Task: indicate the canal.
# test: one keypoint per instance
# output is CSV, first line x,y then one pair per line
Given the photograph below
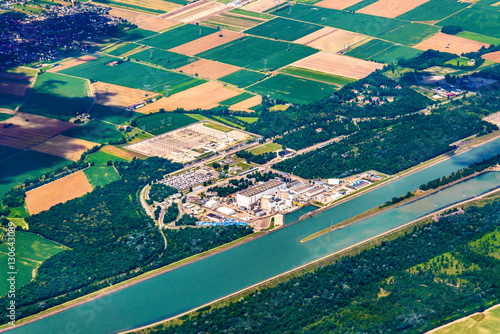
x,y
212,278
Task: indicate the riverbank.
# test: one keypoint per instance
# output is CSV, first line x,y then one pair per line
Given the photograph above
x,y
378,210
326,260
125,284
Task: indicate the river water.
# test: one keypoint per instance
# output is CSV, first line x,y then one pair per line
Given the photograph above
x,y
212,278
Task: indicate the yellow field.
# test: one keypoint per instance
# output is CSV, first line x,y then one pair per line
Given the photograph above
x,y
331,39
493,56
337,4
391,8
113,150
72,63
117,96
487,322
65,147
262,5
205,96
143,21
246,104
450,43
339,65
207,42
209,69
199,13
59,191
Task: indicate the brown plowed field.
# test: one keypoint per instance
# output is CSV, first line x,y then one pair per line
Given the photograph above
x,y
113,150
19,133
205,96
65,147
246,104
209,69
59,191
336,4
206,43
494,56
117,96
331,39
15,84
391,8
339,65
262,5
72,63
450,43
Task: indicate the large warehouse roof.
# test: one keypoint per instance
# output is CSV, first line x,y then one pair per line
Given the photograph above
x,y
254,190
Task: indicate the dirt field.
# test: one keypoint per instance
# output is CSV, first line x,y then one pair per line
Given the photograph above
x,y
205,96
117,96
331,39
144,21
24,134
15,84
199,13
494,56
206,43
209,69
262,5
72,63
7,111
65,147
457,45
337,4
339,65
59,191
113,150
246,104
391,8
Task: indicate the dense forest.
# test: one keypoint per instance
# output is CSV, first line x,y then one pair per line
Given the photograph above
x,y
389,288
328,110
232,187
110,237
160,192
425,137
256,158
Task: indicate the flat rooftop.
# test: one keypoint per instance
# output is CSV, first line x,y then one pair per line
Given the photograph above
x,y
254,190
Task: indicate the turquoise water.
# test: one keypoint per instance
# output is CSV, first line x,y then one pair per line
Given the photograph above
x,y
201,282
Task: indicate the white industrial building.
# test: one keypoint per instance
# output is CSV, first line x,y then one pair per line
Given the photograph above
x,y
211,204
251,195
226,211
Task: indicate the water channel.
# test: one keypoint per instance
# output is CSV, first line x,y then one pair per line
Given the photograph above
x,y
201,282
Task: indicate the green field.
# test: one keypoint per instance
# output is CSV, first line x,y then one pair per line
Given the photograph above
x,y
8,101
487,322
135,34
178,36
58,96
159,123
137,75
315,75
240,11
411,34
112,114
433,10
394,53
7,151
122,49
229,122
3,117
100,176
19,222
217,126
480,38
27,164
359,5
31,251
365,24
461,61
232,21
102,158
284,29
483,20
292,89
95,131
236,99
369,49
242,78
161,57
248,120
251,52
269,147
